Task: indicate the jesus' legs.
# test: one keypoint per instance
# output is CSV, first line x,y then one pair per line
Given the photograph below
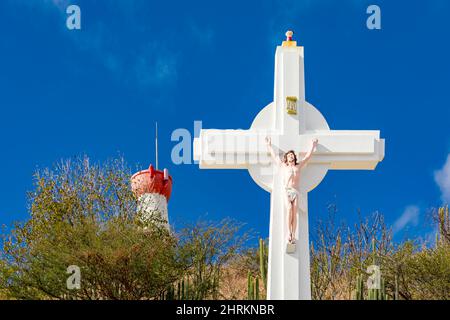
x,y
293,226
289,205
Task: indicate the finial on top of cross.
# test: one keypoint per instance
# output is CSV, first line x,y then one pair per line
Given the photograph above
x,y
289,35
289,42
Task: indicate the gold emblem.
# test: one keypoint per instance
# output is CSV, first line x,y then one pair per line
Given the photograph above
x,y
291,105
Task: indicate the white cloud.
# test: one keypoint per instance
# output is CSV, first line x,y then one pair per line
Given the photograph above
x,y
442,178
409,216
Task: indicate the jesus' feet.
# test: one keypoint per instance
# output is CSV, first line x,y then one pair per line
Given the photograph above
x,y
290,238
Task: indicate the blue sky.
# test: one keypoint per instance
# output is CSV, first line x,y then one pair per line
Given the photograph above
x,y
100,89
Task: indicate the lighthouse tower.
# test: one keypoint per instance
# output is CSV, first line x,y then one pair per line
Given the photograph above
x,y
152,188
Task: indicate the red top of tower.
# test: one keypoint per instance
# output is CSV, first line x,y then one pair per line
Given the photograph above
x,y
151,181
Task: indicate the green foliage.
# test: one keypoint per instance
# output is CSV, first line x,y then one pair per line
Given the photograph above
x,y
421,271
83,214
210,247
426,274
409,270
340,254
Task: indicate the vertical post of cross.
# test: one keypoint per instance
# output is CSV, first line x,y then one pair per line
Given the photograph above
x,y
288,274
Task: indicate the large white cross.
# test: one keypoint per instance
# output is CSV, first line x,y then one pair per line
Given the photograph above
x,y
292,123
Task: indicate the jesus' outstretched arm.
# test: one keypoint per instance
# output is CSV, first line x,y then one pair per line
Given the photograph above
x,y
309,153
275,158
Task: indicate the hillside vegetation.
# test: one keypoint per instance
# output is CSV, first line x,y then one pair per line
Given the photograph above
x,y
84,215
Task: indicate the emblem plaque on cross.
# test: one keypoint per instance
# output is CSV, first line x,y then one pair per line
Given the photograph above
x,y
291,105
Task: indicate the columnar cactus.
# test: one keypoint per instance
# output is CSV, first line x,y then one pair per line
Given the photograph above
x,y
253,287
187,293
253,283
372,294
444,225
249,286
182,290
263,263
358,293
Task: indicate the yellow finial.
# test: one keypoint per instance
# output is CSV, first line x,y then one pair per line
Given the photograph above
x,y
289,42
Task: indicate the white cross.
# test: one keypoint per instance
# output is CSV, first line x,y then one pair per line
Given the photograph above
x,y
288,272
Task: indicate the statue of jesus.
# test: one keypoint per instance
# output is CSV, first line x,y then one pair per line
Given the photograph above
x,y
290,171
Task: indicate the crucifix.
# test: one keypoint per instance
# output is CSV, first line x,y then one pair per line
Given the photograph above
x,y
290,123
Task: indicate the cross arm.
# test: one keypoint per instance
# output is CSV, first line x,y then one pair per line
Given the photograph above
x,y
237,149
346,149
231,149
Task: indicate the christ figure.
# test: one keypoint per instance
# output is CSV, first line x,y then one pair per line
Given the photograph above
x,y
290,170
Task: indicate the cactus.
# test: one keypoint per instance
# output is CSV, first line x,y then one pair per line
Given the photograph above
x,y
361,287
382,290
263,263
444,225
253,282
358,291
372,294
187,296
182,290
169,293
250,286
256,290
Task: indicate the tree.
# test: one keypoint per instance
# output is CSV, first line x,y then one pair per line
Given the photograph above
x,y
410,270
83,215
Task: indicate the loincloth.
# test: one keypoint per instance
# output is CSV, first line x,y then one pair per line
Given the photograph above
x,y
291,193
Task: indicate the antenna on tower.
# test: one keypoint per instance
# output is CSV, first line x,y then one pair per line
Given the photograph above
x,y
156,144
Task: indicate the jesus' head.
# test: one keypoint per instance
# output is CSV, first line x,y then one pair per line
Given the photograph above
x,y
290,157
